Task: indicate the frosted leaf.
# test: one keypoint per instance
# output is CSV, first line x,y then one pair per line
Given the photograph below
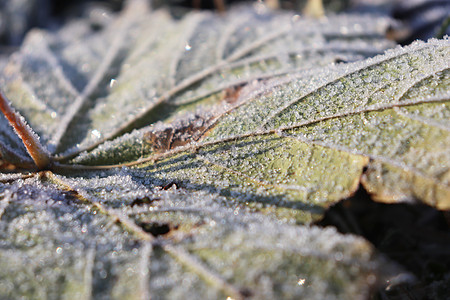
x,y
74,74
47,237
91,255
290,144
191,156
145,54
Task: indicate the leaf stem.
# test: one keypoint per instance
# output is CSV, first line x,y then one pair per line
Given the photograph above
x,y
30,139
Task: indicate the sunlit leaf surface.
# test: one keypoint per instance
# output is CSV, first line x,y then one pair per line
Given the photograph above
x,y
192,155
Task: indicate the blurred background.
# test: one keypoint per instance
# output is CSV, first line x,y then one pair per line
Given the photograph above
x,y
418,19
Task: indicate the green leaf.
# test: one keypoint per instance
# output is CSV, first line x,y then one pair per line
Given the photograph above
x,y
294,142
88,96
190,157
49,236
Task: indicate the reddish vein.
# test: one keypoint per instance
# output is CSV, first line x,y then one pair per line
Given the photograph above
x,y
38,153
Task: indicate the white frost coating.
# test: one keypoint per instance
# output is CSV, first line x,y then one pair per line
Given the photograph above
x,y
114,186
48,226
358,66
239,44
61,239
242,43
224,226
133,11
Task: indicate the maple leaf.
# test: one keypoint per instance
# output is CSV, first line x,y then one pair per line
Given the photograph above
x,y
188,158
